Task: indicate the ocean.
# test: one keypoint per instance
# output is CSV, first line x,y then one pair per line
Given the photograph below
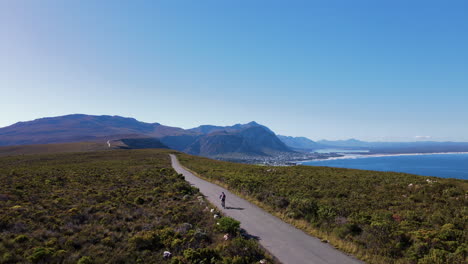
x,y
439,165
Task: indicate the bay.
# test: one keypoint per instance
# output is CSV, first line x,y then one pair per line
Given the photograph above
x,y
439,165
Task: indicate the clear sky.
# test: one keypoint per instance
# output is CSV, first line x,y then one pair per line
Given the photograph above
x,y
371,70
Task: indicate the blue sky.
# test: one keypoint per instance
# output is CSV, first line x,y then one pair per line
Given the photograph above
x,y
372,70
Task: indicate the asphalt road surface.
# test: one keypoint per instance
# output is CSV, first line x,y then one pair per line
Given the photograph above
x,y
287,243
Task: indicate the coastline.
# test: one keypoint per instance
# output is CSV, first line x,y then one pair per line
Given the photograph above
x,y
362,156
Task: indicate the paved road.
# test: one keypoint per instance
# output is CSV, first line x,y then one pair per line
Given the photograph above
x,y
287,243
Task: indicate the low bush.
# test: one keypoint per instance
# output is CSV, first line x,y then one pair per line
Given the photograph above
x,y
146,241
41,254
85,260
202,255
343,231
244,251
228,225
122,206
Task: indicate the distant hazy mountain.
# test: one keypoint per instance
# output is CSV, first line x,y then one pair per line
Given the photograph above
x,y
300,143
398,147
78,127
417,147
353,143
249,139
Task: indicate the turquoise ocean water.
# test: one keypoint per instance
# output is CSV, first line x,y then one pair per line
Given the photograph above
x,y
439,165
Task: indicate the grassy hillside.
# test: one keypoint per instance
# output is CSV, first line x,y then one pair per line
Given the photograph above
x,y
381,217
121,206
53,148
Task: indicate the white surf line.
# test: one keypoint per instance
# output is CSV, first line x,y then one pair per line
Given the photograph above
x,y
361,156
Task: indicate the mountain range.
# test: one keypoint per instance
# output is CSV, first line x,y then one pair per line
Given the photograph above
x,y
251,139
240,141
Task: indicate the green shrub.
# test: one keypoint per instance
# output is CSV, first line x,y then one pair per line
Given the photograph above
x,y
176,243
347,229
139,201
194,190
41,254
436,256
20,239
177,260
85,260
281,202
7,257
202,255
326,213
51,242
303,208
166,236
243,251
183,187
228,225
149,240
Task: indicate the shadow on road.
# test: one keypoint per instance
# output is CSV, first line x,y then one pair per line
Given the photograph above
x,y
247,235
234,208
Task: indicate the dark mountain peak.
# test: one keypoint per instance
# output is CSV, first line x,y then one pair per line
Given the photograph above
x,y
207,129
257,125
255,129
247,140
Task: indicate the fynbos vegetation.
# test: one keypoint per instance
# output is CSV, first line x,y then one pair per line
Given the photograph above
x,y
381,217
109,207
